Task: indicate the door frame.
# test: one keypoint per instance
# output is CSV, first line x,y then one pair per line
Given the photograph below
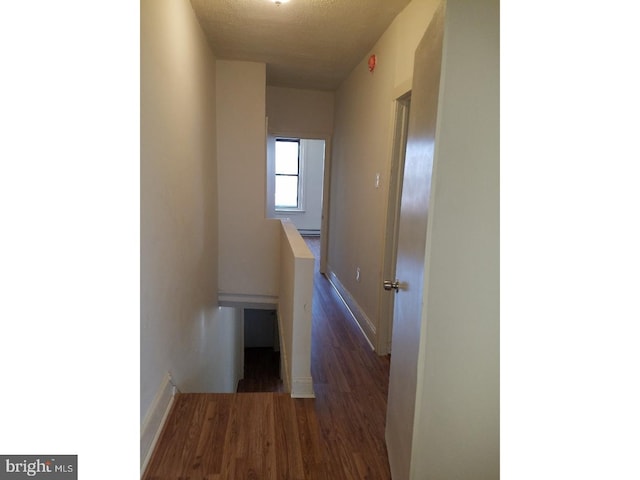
x,y
326,184
396,172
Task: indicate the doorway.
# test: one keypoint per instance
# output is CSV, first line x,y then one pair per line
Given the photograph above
x,y
401,128
308,207
261,352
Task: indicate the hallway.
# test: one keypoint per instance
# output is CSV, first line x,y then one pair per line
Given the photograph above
x,y
338,435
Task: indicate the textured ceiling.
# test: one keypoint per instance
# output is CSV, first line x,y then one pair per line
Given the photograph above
x,y
305,43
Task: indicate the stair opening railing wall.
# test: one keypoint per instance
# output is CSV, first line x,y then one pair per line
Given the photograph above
x,y
294,311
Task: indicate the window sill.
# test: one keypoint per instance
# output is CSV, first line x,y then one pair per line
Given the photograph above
x,y
290,210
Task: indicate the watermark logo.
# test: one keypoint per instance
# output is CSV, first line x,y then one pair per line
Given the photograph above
x,y
49,467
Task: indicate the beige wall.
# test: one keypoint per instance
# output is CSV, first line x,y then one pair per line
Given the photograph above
x,y
292,110
363,127
249,243
180,320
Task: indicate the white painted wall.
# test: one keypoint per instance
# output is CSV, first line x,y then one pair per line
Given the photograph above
x,y
182,329
456,432
294,311
313,155
249,243
224,352
362,148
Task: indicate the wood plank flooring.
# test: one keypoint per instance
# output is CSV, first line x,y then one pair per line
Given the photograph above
x,y
261,371
338,435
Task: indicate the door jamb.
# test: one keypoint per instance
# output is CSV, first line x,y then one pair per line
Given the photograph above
x,y
401,127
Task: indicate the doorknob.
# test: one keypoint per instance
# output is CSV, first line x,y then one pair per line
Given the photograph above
x,y
389,285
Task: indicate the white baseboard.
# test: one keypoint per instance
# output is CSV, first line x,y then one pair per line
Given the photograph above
x,y
154,420
302,388
362,320
309,233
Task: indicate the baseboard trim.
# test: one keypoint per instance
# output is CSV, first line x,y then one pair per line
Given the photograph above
x,y
309,233
302,388
361,319
154,420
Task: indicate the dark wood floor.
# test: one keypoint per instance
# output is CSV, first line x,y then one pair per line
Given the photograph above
x,y
338,435
261,371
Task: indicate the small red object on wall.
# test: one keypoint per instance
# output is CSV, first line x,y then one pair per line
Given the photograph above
x,y
372,63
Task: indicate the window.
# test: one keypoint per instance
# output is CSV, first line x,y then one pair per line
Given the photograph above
x,y
287,168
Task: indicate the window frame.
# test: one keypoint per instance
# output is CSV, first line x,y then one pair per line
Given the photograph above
x,y
301,206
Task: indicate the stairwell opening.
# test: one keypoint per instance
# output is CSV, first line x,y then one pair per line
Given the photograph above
x,y
261,352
